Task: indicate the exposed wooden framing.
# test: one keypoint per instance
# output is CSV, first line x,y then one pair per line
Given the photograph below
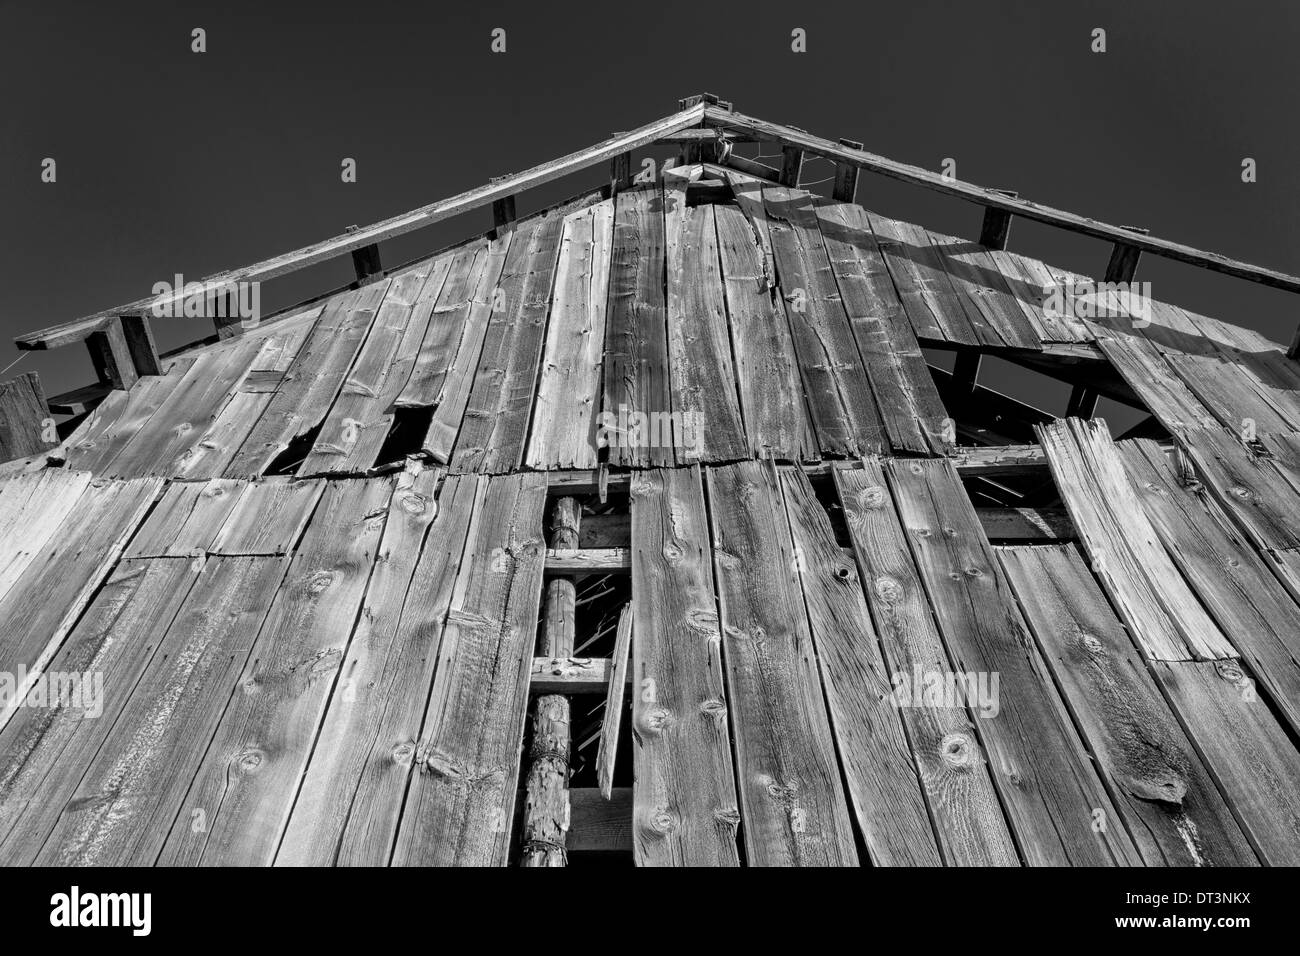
x,y
111,355
620,172
752,167
997,223
366,259
467,201
1124,259
788,136
140,343
503,212
546,805
571,675
791,166
846,176
576,561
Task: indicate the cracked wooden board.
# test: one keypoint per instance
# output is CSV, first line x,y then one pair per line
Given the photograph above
x,y
1039,765
685,809
793,808
1166,797
461,801
564,433
143,769
350,803
879,770
45,751
952,764
840,400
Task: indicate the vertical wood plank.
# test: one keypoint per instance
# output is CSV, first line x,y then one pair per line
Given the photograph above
x,y
685,811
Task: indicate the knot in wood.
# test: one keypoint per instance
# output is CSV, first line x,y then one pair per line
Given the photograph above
x,y
661,821
956,750
413,503
250,760
1230,671
889,590
655,720
873,497
403,753
320,580
715,710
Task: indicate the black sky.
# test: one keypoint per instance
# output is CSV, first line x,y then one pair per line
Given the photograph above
x,y
170,161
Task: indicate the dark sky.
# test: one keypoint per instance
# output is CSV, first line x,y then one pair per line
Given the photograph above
x,y
171,162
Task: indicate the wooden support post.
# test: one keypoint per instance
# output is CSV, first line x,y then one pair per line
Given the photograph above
x,y
620,173
139,341
846,176
366,260
1124,259
503,210
997,224
546,804
1083,402
25,425
111,355
965,371
791,166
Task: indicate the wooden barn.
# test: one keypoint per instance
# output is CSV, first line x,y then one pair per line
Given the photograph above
x,y
641,529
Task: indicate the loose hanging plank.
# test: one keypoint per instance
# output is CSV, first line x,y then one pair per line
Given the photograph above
x,y
45,751
879,769
636,381
792,804
934,308
1038,763
771,391
142,771
684,797
1232,581
1154,601
357,424
1249,754
495,427
448,317
564,420
349,807
953,767
248,778
312,383
615,692
705,404
249,398
462,798
1168,800
990,303
844,413
910,406
1031,283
